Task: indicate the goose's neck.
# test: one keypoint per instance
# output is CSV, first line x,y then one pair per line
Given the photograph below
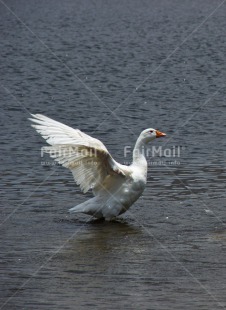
x,y
139,153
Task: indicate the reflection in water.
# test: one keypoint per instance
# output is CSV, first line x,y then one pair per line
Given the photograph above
x,y
219,235
103,243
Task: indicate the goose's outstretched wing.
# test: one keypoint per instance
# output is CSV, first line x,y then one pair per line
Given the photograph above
x,y
87,157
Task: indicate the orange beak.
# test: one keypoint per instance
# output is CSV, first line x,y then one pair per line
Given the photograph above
x,y
160,134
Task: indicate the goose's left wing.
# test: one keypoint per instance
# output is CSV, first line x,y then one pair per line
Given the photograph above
x,y
87,157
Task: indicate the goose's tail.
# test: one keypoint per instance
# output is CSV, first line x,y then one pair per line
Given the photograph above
x,y
92,207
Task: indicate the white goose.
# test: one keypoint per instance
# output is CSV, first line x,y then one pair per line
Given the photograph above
x,y
115,187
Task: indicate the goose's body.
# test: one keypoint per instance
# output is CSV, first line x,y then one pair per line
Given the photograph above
x,y
115,187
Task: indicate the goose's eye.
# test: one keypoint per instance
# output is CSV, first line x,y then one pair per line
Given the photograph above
x,y
151,131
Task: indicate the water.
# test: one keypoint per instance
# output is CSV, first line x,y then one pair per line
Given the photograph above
x,y
168,250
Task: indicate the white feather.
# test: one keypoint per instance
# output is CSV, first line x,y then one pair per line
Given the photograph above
x,y
116,187
87,157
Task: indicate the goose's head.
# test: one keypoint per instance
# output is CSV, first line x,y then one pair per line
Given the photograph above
x,y
150,134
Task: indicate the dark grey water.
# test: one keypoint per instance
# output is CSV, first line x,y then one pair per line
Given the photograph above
x,y
75,61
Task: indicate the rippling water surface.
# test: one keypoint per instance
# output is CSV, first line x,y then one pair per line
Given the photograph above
x,y
161,64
